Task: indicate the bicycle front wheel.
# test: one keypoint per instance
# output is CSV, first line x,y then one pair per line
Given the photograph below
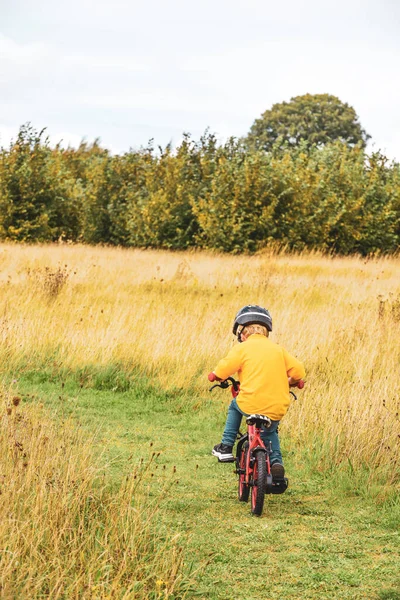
x,y
243,488
259,483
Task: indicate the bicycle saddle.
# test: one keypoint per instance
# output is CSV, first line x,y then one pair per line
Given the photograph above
x,y
261,419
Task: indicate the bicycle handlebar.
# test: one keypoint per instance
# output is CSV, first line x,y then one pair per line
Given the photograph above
x,y
225,383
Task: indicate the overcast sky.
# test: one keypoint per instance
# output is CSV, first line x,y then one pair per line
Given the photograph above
x,y
127,71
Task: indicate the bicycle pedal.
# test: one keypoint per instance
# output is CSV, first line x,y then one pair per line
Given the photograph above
x,y
279,487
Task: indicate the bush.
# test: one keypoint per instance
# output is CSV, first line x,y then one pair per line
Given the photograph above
x,y
226,197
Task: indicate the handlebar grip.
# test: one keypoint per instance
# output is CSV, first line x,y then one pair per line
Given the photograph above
x,y
300,384
212,377
235,391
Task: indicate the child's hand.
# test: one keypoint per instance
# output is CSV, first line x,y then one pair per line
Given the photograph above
x,y
296,383
212,377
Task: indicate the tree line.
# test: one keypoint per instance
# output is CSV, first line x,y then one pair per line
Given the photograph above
x,y
233,197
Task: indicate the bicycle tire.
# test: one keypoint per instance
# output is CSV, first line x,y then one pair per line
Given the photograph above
x,y
259,483
243,488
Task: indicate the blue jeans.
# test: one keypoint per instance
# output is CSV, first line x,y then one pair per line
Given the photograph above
x,y
232,425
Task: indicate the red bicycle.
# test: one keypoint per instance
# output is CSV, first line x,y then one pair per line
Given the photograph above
x,y
253,464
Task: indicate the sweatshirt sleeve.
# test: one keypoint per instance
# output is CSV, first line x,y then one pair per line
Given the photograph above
x,y
230,364
294,368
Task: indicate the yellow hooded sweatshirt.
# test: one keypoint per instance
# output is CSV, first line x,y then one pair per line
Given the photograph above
x,y
263,368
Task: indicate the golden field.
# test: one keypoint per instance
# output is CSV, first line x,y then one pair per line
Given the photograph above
x,y
64,531
169,315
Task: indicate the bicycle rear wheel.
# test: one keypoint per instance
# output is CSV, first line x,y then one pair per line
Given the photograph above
x,y
259,483
243,488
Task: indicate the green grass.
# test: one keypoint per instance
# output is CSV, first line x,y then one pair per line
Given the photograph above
x,y
324,538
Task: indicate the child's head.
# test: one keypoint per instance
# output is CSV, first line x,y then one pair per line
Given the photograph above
x,y
252,317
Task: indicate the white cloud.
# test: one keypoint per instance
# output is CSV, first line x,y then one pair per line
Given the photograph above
x,y
103,63
20,59
20,53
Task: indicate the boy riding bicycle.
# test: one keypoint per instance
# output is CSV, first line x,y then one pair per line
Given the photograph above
x,y
265,371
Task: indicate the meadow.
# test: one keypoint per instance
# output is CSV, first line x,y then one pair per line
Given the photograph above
x,y
108,488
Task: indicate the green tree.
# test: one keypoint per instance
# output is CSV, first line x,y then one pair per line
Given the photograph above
x,y
89,167
161,214
315,118
39,199
342,200
235,212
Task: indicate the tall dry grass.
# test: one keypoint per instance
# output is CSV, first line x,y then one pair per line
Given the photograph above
x,y
64,533
169,316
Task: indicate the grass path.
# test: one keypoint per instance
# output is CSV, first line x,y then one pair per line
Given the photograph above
x,y
311,542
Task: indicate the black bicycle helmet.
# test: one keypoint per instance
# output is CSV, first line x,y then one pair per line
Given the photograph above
x,y
252,313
